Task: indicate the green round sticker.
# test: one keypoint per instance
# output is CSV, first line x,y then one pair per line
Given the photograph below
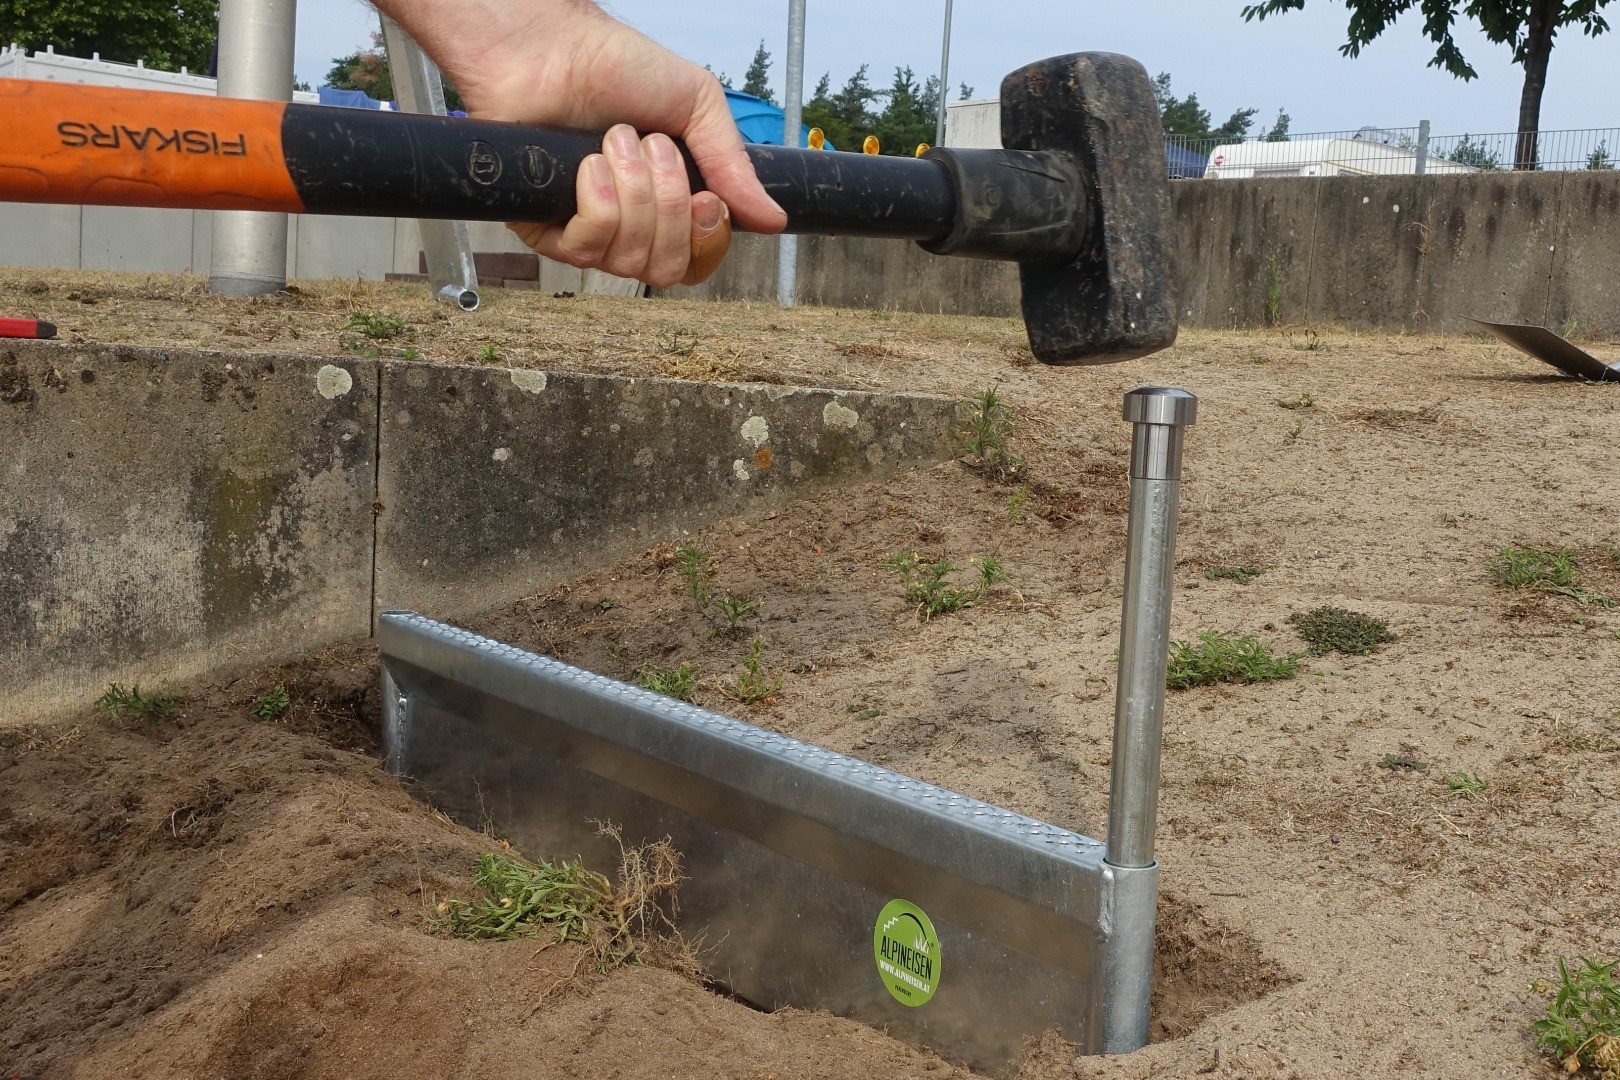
x,y
907,952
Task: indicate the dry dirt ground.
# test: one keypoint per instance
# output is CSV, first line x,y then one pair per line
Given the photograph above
x,y
226,896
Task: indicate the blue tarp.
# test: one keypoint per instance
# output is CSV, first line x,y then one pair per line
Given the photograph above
x,y
1184,164
348,99
760,121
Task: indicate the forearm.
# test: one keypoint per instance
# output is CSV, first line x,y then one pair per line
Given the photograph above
x,y
493,50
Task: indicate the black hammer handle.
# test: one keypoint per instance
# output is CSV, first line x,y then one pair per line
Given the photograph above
x,y
80,144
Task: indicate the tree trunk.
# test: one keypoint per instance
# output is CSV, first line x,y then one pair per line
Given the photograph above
x,y
1540,27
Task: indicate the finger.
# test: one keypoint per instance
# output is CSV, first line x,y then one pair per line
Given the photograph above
x,y
672,199
711,237
584,241
632,242
717,147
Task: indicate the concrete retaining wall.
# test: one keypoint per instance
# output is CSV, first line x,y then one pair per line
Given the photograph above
x,y
1389,253
169,513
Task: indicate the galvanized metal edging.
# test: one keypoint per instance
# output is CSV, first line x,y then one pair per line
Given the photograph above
x,y
809,843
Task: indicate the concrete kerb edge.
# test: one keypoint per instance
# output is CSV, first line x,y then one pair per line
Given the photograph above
x,y
211,432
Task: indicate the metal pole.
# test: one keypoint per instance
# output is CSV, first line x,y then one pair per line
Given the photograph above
x,y
1423,147
944,76
787,247
255,61
1161,416
447,245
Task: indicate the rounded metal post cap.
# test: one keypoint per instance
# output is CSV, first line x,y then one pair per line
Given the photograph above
x,y
1161,405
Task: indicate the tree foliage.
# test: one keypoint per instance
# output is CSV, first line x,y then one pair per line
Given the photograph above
x,y
846,116
757,80
1528,27
1186,117
1475,154
366,70
909,113
165,34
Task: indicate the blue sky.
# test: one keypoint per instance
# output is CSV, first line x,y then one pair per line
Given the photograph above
x,y
1290,61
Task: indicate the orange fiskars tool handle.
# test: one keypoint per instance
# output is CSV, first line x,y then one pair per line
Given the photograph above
x,y
106,146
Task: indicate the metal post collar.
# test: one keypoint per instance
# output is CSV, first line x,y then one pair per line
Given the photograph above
x,y
1161,415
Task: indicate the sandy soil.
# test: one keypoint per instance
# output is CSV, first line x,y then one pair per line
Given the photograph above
x,y
225,896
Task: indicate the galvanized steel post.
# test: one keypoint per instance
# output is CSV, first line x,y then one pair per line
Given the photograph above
x,y
255,61
787,246
944,78
446,245
1161,416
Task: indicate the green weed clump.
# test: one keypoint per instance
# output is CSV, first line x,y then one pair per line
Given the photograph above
x,y
520,899
120,703
1551,572
624,922
1334,629
678,682
1582,1025
989,421
926,583
271,705
697,567
752,685
1220,657
734,609
376,325
1464,785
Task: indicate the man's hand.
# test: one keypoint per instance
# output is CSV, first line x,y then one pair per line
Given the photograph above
x,y
565,62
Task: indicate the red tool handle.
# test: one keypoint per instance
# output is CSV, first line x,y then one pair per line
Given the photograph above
x,y
28,328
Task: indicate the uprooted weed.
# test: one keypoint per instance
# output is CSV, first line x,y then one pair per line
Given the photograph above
x,y
626,921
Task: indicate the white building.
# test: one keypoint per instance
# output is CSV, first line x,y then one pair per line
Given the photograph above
x,y
1370,152
17,63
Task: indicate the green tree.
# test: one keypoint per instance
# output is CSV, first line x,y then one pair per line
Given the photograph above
x,y
910,115
1475,154
966,92
845,117
366,70
1528,27
757,81
1279,130
166,34
1187,118
725,80
1599,158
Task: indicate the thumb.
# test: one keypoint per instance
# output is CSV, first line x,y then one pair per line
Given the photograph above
x,y
711,237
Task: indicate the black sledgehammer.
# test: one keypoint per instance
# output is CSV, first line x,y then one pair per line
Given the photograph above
x,y
1079,197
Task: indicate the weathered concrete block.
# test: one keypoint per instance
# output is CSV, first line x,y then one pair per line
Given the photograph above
x,y
1244,246
497,483
342,247
852,271
165,513
1488,248
1586,265
1367,255
749,272
136,238
42,236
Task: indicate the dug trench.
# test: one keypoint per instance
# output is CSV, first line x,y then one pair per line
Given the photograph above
x,y
1403,843
221,894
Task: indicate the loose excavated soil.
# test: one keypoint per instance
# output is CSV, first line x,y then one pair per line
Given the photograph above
x,y
222,896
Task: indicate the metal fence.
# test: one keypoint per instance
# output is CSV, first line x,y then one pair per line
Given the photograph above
x,y
1393,151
